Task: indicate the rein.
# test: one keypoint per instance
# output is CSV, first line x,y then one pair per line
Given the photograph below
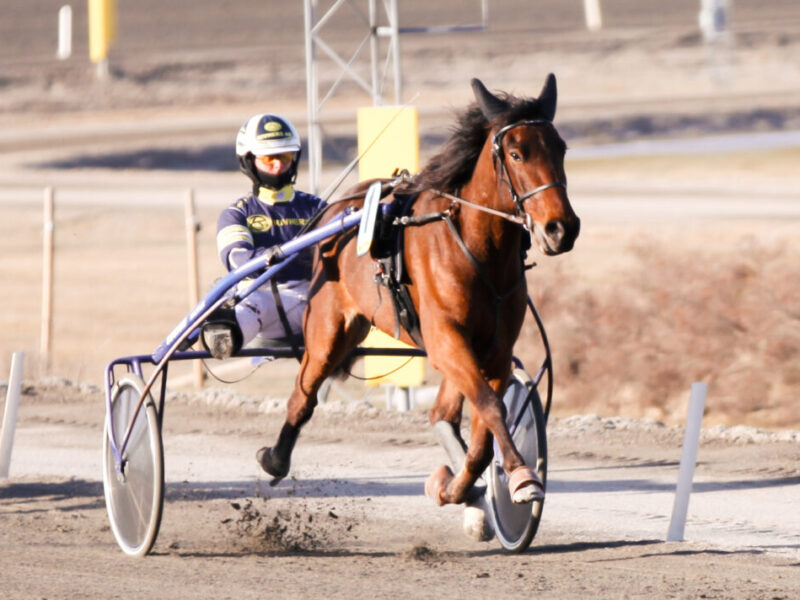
x,y
518,220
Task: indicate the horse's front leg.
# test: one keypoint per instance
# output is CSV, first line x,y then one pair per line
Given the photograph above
x,y
458,364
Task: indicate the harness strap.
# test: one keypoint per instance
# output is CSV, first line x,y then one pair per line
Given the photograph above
x,y
497,298
285,320
497,213
407,221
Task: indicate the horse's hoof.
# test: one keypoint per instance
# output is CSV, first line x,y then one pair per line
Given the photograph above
x,y
525,486
437,482
278,469
476,524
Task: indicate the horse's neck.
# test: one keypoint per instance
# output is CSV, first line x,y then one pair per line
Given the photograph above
x,y
490,238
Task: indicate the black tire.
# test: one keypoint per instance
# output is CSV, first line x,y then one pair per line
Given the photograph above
x,y
516,524
134,499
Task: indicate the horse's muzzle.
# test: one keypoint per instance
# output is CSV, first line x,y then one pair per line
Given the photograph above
x,y
558,235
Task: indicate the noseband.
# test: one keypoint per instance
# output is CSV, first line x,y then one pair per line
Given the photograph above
x,y
498,157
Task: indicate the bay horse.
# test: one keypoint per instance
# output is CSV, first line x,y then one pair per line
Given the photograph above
x,y
496,183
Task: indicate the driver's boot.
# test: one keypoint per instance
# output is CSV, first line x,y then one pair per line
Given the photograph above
x,y
221,335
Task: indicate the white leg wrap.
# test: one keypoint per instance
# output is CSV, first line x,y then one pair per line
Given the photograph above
x,y
476,522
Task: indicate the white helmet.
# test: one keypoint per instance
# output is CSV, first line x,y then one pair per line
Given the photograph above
x,y
264,135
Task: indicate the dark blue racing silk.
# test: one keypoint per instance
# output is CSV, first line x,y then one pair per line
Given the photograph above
x,y
253,224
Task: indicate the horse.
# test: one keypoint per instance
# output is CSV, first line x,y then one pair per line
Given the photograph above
x,y
497,184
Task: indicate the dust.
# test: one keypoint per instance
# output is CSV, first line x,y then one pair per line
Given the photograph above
x,y
422,553
300,529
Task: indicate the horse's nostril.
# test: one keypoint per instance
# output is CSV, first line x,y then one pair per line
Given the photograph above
x,y
555,230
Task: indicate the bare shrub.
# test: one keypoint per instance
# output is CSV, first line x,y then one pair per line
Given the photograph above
x,y
633,345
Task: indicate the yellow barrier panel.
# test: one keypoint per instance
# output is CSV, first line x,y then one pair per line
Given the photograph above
x,y
102,28
400,371
388,140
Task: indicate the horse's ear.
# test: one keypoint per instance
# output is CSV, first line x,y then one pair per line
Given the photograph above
x,y
490,105
548,98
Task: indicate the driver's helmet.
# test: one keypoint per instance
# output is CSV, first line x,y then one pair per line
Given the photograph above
x,y
264,135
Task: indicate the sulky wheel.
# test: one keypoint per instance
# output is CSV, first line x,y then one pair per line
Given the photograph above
x,y
516,524
134,497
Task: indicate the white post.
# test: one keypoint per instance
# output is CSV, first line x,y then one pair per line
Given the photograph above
x,y
10,414
594,18
713,19
64,32
192,227
691,441
47,277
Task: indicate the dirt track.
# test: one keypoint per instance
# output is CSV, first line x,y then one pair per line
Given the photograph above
x,y
352,521
651,299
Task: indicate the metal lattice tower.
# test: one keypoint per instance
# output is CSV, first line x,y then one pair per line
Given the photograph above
x,y
315,22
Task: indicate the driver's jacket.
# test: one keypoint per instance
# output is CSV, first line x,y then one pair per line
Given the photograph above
x,y
253,224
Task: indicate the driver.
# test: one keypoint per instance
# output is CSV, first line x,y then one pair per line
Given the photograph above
x,y
268,149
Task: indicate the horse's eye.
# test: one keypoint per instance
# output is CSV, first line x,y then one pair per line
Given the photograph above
x,y
515,156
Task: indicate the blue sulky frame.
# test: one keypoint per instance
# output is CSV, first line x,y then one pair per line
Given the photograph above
x,y
188,330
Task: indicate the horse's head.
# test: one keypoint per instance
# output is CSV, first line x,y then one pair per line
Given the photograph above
x,y
529,161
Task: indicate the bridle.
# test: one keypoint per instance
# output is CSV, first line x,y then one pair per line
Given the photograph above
x,y
520,216
498,158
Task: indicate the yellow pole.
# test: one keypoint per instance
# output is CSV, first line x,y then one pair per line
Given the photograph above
x,y
102,32
388,140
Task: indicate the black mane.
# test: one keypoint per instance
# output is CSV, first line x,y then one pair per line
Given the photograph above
x,y
452,166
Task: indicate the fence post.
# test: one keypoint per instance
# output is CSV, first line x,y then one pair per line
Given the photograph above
x,y
691,440
10,413
592,13
192,227
47,277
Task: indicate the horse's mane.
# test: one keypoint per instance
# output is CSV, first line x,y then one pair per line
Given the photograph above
x,y
452,166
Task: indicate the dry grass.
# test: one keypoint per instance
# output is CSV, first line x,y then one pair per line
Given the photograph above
x,y
723,312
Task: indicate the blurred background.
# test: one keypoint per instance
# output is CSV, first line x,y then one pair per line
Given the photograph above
x,y
683,165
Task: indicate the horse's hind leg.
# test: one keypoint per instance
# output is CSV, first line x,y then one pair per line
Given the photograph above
x,y
444,486
445,417
329,339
